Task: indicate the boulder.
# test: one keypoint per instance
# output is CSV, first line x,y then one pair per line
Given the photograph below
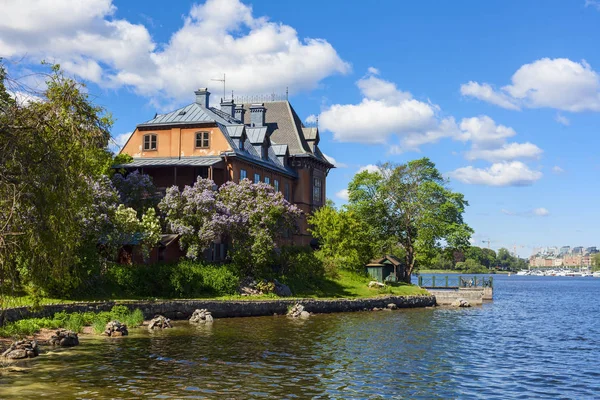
x,y
248,287
22,349
64,338
375,284
282,290
202,316
159,322
392,306
297,311
115,329
460,303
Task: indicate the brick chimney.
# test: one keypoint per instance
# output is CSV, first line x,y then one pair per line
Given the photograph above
x,y
239,113
202,96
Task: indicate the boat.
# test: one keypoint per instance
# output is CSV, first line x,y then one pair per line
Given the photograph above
x,y
523,272
596,274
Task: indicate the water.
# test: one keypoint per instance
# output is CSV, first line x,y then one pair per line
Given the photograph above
x,y
540,338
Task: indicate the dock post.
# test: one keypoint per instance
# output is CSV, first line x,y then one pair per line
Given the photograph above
x,y
446,280
433,281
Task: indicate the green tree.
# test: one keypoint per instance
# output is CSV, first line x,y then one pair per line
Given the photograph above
x,y
344,239
411,204
596,262
48,151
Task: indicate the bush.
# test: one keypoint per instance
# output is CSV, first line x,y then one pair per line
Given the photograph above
x,y
192,279
300,268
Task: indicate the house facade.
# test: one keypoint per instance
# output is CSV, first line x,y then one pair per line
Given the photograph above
x,y
263,142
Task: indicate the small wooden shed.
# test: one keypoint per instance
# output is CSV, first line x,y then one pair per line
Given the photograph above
x,y
387,268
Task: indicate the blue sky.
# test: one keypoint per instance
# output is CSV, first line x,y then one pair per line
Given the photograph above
x,y
504,96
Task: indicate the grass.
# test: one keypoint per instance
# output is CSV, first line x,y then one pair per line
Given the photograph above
x,y
73,321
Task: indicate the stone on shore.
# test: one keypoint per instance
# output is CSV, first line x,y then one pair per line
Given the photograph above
x,y
392,306
64,338
202,316
159,322
460,303
281,289
22,349
375,284
297,311
115,329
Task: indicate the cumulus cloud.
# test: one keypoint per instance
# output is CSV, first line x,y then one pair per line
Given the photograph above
x,y
335,162
557,170
219,36
541,212
557,83
536,212
369,168
509,151
311,119
513,173
343,194
384,111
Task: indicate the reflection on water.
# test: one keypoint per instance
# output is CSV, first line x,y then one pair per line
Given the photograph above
x,y
539,338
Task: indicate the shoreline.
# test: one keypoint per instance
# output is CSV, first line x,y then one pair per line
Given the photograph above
x,y
182,309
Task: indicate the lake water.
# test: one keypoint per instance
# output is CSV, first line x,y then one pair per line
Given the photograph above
x,y
540,338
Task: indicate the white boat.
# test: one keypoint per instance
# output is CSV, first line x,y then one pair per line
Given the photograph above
x,y
596,274
523,272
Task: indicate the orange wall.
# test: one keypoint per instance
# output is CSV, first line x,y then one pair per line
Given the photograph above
x,y
169,145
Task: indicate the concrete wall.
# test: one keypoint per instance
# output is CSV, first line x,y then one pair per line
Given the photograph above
x,y
183,309
445,297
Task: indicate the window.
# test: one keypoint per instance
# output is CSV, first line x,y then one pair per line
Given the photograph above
x,y
267,180
256,178
276,185
317,190
243,174
286,193
149,142
202,140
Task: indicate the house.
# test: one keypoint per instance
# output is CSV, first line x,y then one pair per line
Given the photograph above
x,y
263,142
387,268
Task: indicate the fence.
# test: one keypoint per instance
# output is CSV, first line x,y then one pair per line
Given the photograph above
x,y
455,282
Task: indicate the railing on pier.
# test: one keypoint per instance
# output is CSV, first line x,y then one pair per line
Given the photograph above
x,y
455,282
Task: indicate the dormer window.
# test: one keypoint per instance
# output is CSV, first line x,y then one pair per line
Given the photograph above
x,y
149,142
202,140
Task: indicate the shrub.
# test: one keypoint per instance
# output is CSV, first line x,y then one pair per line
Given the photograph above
x,y
300,268
192,279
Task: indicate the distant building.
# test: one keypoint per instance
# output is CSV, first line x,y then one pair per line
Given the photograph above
x,y
591,250
577,250
565,250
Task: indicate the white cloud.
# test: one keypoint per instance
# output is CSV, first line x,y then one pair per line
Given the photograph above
x,y
557,83
557,170
384,111
509,151
486,93
311,119
117,142
536,212
23,97
483,132
541,212
219,36
513,173
370,168
343,194
335,162
561,119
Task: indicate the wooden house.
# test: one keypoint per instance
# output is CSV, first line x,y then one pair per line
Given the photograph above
x,y
387,268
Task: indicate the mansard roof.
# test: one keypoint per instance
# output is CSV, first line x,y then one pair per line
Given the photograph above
x,y
191,114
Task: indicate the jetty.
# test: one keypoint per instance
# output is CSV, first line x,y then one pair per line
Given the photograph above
x,y
447,289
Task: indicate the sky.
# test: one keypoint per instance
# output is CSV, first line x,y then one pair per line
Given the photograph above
x,y
502,95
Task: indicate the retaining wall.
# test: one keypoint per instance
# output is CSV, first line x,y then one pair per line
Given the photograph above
x,y
445,297
183,309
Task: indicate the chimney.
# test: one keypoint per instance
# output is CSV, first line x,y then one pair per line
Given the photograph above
x,y
239,113
202,96
257,115
228,107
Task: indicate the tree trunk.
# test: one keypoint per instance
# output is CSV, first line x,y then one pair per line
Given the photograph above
x,y
410,263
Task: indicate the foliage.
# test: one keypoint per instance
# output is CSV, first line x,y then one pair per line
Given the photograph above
x,y
196,215
48,151
596,262
471,266
256,216
73,321
136,191
411,204
345,240
193,279
300,268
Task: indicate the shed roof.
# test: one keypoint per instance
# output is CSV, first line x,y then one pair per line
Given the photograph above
x,y
387,258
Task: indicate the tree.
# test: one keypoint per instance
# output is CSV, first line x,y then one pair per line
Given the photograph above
x,y
596,262
344,239
411,204
255,217
48,151
136,191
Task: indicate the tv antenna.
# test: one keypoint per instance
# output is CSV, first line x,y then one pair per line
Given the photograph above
x,y
221,80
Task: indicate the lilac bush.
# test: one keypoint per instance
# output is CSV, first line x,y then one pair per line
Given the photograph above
x,y
136,191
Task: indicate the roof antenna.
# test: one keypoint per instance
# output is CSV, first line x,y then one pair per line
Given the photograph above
x,y
221,80
317,122
286,93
